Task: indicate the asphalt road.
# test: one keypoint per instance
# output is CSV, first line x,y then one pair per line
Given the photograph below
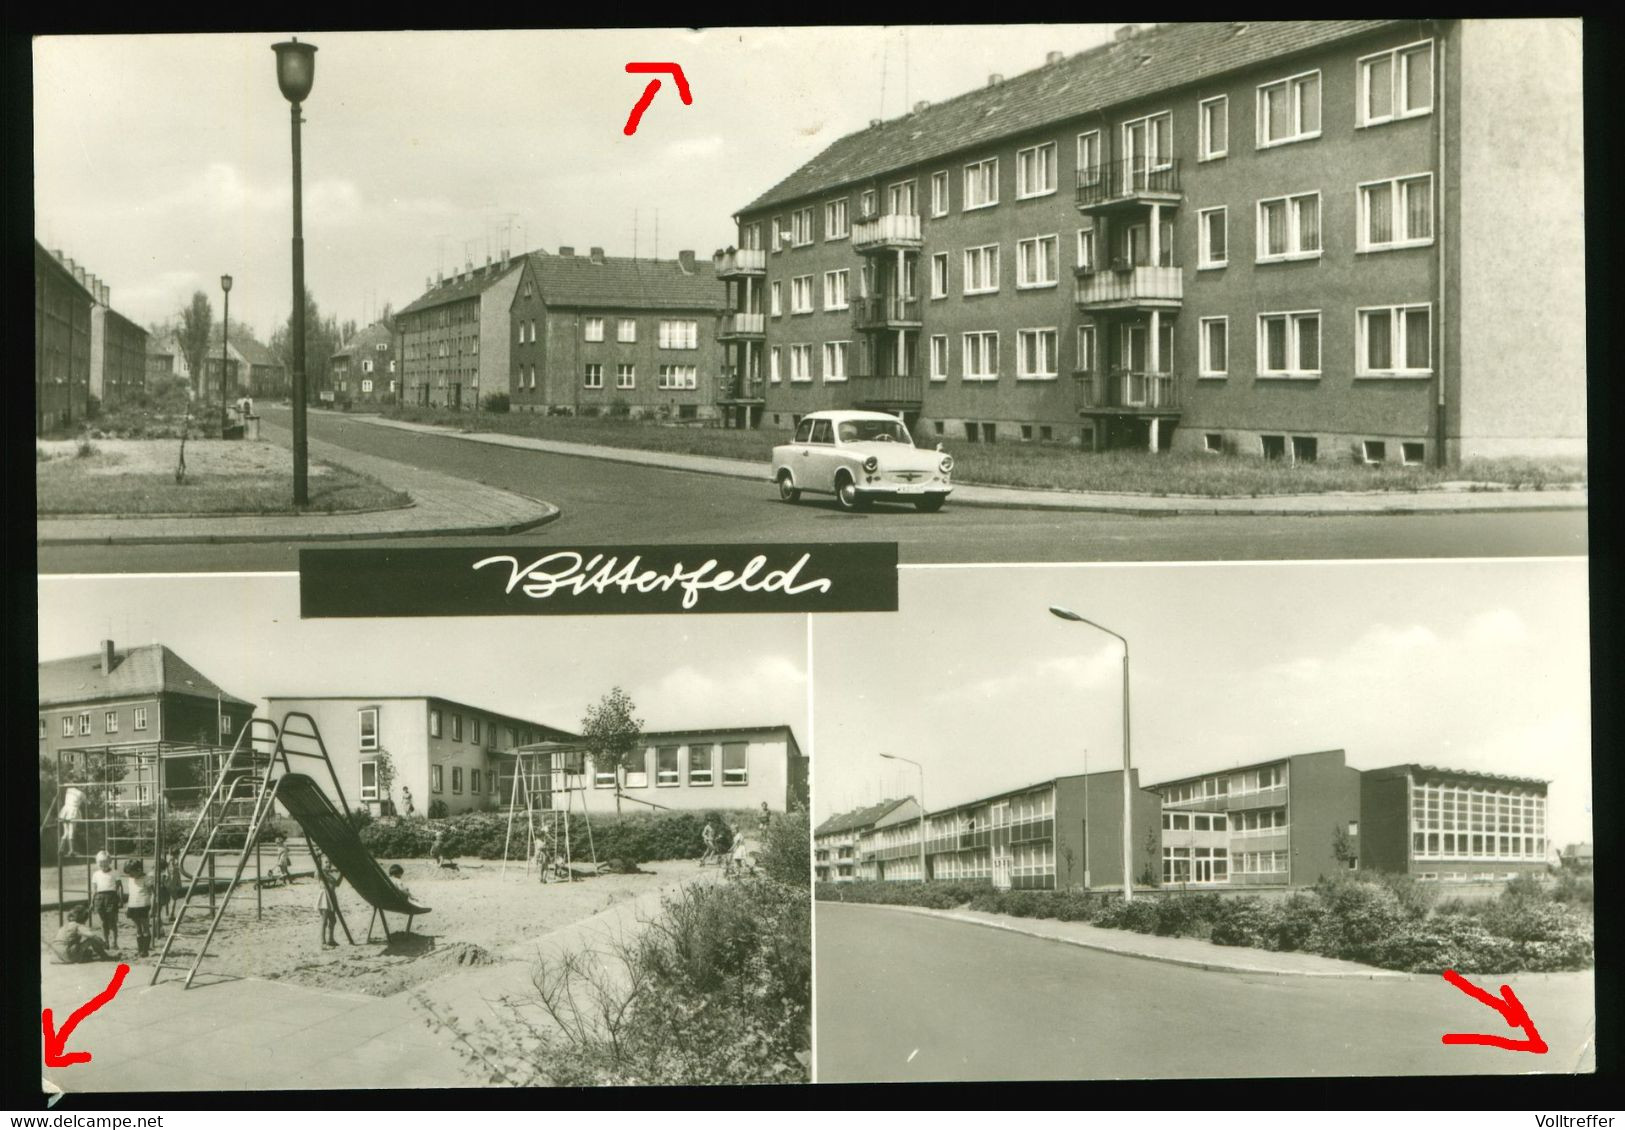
x,y
907,998
609,503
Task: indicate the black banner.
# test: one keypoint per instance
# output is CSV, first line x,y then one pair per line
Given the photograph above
x,y
600,580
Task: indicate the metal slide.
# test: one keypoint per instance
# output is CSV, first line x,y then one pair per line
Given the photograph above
x,y
325,827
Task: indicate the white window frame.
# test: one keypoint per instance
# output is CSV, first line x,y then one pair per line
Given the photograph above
x,y
1088,173
1023,257
1397,340
626,375
1086,238
773,364
368,791
775,298
1290,84
939,357
901,193
838,351
592,375
976,167
110,722
1398,213
984,354
1205,150
677,378
1399,59
1054,335
362,742
679,333
722,764
803,352
693,776
801,227
982,254
845,291
939,193
1203,263
626,329
1085,360
868,203
939,277
1293,318
677,767
366,386
837,219
1294,228
1206,367
1366,451
801,294
1026,191
140,718
592,329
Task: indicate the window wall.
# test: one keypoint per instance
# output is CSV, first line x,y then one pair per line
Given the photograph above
x,y
1476,822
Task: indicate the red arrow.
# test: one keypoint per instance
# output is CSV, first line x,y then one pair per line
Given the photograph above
x,y
55,1041
642,104
1510,1007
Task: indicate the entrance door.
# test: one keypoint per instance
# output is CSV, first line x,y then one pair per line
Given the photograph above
x,y
1001,845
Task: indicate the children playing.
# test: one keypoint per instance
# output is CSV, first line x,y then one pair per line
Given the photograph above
x,y
138,905
78,943
106,892
709,837
396,873
284,861
325,904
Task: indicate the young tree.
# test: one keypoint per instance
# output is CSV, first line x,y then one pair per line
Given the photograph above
x,y
612,733
193,337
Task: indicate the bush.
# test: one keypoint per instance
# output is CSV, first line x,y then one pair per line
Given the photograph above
x,y
1139,915
619,409
1245,921
787,849
1355,917
1444,942
1575,890
939,894
633,838
438,810
495,402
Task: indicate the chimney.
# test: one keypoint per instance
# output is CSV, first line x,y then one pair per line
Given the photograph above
x,y
1054,57
596,253
1126,32
109,657
685,259
994,80
922,105
566,252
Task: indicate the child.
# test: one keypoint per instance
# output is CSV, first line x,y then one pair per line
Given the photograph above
x,y
284,861
324,903
106,892
72,800
396,874
139,905
709,836
77,942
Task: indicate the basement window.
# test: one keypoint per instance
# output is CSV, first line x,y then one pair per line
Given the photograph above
x,y
1213,443
1374,451
1274,447
1414,453
1305,449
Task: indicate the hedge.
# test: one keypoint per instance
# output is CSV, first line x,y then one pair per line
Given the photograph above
x,y
641,837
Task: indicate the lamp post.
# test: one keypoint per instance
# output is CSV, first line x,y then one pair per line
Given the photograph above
x,y
921,769
295,72
1128,796
225,343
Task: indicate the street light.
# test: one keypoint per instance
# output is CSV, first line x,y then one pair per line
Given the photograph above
x,y
921,768
295,72
225,340
1128,809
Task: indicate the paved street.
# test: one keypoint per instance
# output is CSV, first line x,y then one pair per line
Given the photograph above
x,y
903,997
606,502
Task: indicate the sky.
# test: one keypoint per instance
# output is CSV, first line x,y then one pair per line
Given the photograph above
x,y
163,162
245,633
1466,665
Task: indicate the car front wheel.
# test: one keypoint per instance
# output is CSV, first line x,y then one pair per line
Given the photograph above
x,y
930,504
846,493
787,488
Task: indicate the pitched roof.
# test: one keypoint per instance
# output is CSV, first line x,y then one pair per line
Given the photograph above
x,y
475,284
152,669
365,340
1161,59
656,284
859,817
253,352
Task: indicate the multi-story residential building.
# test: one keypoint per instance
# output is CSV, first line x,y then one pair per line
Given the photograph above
x,y
1448,825
595,334
62,319
741,767
452,345
137,695
439,749
362,370
835,841
118,350
1285,239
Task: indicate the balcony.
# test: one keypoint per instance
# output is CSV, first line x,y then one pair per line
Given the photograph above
x,y
886,313
895,231
1128,182
1131,287
741,263
733,387
742,327
886,391
1128,391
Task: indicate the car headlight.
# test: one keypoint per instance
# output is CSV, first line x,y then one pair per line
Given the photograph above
x,y
871,464
947,464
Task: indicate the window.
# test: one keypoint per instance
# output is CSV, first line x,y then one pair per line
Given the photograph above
x,y
602,778
1289,227
835,220
367,720
735,767
1215,342
666,771
434,723
1213,443
1035,354
801,300
457,778
773,364
677,377
1289,110
626,329
981,184
775,295
1396,213
110,722
1148,143
980,356
1411,454
939,193
699,764
801,362
366,386
939,357
1289,344
1035,171
1214,114
1089,157
593,377
456,727
900,199
866,203
1086,249
366,367
1086,349
436,781
982,269
835,290
84,724
679,334
67,725
835,360
1396,84
939,275
369,780
592,329
626,376
474,781
1373,451
474,730
1305,449
1395,341
141,718
637,770
1214,250
1036,261
801,227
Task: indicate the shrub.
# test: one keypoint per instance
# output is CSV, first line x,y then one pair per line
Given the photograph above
x,y
938,894
86,450
1355,916
1546,936
1245,921
1444,942
495,402
1139,915
619,409
1575,890
787,851
438,810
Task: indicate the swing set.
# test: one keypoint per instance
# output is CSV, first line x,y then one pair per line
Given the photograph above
x,y
542,773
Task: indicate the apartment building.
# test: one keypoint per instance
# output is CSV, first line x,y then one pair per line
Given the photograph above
x,y
835,841
452,343
118,352
62,315
362,370
597,334
1283,239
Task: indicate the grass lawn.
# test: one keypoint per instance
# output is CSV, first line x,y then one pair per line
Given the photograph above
x,y
1051,466
137,476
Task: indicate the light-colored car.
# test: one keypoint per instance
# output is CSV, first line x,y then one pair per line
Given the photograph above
x,y
860,457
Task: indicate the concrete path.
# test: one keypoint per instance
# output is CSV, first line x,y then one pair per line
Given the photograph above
x,y
442,505
1193,952
1443,500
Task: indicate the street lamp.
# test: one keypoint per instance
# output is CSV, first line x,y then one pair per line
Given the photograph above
x,y
295,72
225,339
1128,801
921,769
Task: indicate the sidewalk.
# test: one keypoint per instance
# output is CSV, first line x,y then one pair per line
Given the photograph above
x,y
1440,501
1192,952
441,505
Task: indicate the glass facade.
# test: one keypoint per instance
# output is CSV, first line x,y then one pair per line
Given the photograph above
x,y
1460,821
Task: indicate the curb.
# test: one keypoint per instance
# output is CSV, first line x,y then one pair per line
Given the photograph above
x,y
1189,963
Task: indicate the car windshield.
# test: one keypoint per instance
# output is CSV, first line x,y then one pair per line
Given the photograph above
x,y
864,431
